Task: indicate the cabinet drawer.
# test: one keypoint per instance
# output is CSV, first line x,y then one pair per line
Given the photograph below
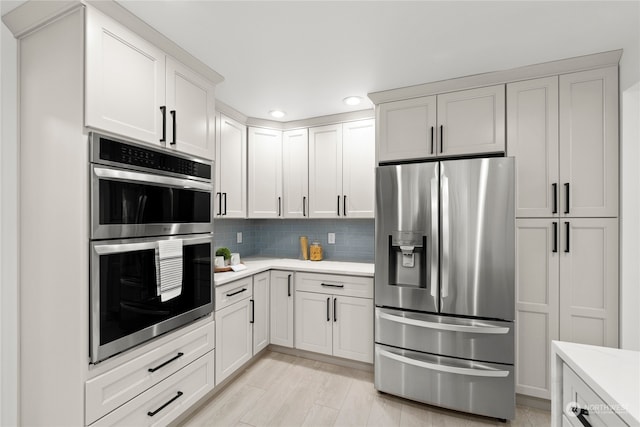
x,y
114,388
233,292
334,284
576,393
168,399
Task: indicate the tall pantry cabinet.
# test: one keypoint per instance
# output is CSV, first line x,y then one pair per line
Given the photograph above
x,y
563,132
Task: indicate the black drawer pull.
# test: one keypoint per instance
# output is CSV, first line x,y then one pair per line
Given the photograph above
x,y
289,285
441,138
555,198
163,109
431,139
151,414
253,311
338,208
331,285
568,230
237,292
173,115
581,414
328,315
304,203
219,203
555,237
335,314
568,199
179,355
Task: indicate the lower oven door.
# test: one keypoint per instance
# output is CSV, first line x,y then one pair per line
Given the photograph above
x,y
129,304
464,385
476,339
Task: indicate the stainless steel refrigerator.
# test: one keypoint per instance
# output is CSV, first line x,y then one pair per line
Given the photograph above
x,y
444,284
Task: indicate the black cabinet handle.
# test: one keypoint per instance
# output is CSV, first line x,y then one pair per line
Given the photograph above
x,y
219,196
328,315
164,123
335,314
304,203
555,197
431,139
179,355
289,285
581,414
331,285
566,193
173,115
441,138
338,208
344,205
237,292
279,210
567,229
253,311
555,237
225,203
152,413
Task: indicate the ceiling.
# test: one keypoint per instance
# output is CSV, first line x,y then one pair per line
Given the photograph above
x,y
304,57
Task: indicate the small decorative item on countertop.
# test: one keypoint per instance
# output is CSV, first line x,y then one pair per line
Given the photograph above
x,y
304,247
316,251
225,252
235,258
219,262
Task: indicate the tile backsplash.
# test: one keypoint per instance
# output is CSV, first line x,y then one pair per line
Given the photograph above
x,y
280,238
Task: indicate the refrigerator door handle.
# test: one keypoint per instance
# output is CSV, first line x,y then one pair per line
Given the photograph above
x,y
445,236
434,237
446,326
445,368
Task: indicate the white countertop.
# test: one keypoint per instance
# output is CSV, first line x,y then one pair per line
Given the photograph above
x,y
258,265
614,374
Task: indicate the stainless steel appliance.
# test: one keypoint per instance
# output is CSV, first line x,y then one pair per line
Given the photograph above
x,y
444,284
151,248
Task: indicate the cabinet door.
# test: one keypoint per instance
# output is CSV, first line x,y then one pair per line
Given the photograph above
x,y
358,169
233,338
589,281
532,138
190,111
125,81
231,182
406,129
265,173
537,296
281,331
313,322
471,121
295,163
260,315
325,171
353,328
589,143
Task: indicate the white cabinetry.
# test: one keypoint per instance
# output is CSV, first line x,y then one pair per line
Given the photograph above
x,y
563,132
231,169
135,90
450,124
260,311
295,165
281,319
342,170
265,173
334,315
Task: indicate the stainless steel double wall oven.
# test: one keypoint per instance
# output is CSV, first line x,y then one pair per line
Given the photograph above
x,y
142,198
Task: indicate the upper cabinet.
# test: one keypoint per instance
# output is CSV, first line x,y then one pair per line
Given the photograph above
x,y
265,173
451,124
231,169
295,169
135,90
563,132
342,170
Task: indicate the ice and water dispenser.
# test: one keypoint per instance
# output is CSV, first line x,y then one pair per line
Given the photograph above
x,y
408,259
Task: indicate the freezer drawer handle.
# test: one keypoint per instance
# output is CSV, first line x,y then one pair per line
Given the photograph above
x,y
152,413
446,326
445,368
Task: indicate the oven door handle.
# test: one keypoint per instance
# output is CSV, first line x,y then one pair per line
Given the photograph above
x,y
495,373
114,248
446,326
146,178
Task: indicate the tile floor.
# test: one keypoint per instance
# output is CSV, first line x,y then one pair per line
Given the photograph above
x,y
285,390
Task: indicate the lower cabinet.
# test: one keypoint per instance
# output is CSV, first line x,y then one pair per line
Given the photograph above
x,y
330,321
281,322
260,311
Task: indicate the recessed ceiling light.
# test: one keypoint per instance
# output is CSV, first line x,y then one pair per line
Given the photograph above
x,y
277,114
352,100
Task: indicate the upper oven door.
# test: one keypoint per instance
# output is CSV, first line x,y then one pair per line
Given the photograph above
x,y
126,203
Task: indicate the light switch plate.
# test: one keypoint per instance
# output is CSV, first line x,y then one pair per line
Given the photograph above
x,y
331,238
239,237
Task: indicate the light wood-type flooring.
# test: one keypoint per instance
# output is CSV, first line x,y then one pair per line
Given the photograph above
x,y
285,390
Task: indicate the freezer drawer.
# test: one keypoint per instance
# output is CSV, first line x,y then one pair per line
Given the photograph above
x,y
449,336
464,385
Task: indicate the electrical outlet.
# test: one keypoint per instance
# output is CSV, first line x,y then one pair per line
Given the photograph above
x,y
239,237
331,238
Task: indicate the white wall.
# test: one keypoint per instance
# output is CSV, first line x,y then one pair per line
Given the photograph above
x,y
8,230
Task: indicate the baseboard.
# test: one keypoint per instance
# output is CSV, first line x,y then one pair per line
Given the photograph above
x,y
352,364
533,402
